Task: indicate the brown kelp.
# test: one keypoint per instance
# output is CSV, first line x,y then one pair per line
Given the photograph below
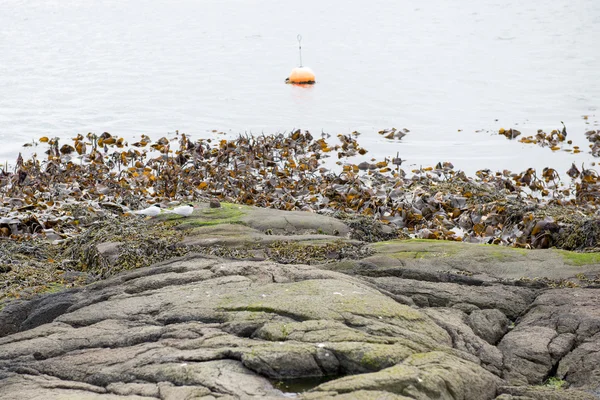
x,y
60,194
554,140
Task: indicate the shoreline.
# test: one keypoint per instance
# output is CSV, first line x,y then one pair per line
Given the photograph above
x,y
93,185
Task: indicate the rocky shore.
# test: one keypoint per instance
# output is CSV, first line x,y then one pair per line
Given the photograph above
x,y
246,302
292,278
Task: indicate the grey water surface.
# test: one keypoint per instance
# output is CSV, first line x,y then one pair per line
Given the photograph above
x,y
452,72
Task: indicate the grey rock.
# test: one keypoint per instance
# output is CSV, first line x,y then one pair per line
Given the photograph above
x,y
109,251
402,324
560,330
464,339
581,367
420,376
477,263
510,300
490,325
200,326
541,393
527,359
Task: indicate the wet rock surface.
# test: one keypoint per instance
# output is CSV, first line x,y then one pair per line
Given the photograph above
x,y
410,319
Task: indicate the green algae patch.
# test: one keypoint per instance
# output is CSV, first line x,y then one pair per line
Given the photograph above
x,y
420,249
579,259
499,255
226,214
377,357
555,383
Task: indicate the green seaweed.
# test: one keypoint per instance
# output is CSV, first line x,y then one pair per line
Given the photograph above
x,y
579,259
555,383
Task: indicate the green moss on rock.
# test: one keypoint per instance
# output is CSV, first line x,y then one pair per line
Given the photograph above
x,y
578,259
226,214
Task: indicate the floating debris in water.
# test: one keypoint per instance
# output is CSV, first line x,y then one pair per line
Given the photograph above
x,y
393,133
554,140
594,138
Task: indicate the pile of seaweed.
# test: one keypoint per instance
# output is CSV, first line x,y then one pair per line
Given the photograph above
x,y
37,265
59,195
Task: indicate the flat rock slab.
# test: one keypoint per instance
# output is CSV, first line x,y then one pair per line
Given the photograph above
x,y
236,225
477,264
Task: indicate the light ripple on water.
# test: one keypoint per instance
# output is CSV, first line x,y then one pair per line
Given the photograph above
x,y
150,67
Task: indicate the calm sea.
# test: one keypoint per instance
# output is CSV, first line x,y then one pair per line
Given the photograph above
x,y
452,72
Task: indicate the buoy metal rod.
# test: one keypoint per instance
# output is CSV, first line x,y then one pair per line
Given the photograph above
x,y
299,37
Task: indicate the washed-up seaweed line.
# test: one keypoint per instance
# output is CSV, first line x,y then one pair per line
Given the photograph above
x,y
51,195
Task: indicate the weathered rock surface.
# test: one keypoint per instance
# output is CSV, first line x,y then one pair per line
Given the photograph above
x,y
475,264
235,225
456,323
463,338
211,327
541,393
510,300
421,376
560,331
494,305
489,324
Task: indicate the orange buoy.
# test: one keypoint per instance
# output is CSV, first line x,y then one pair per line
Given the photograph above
x,y
301,75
